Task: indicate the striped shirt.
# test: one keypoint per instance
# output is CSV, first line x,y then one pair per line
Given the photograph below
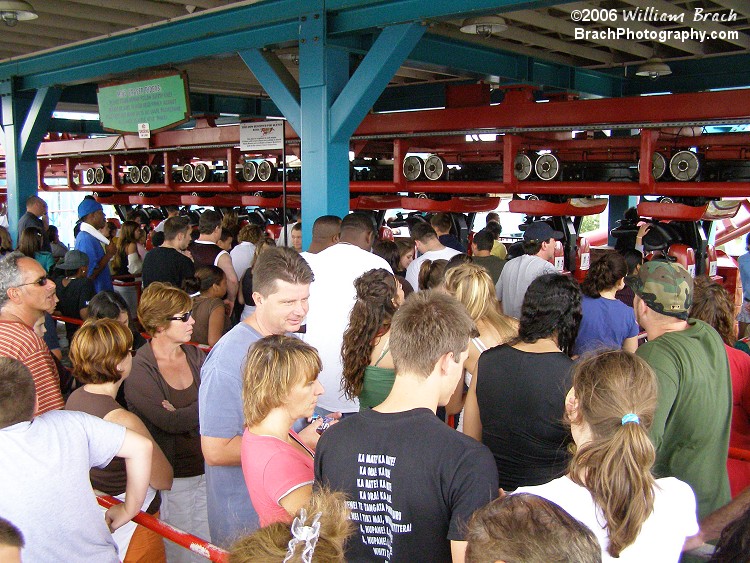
x,y
20,342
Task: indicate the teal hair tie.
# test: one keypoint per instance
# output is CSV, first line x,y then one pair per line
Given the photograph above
x,y
630,417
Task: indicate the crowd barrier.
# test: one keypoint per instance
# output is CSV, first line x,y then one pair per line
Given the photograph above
x,y
184,539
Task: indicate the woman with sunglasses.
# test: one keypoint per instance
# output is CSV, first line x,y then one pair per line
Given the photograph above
x,y
163,391
100,355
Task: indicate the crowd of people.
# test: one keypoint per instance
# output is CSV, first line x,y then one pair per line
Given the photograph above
x,y
362,401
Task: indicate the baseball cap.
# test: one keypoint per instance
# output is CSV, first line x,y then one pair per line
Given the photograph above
x,y
539,230
73,260
88,206
666,287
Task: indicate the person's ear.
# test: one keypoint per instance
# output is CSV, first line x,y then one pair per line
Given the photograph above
x,y
571,405
258,298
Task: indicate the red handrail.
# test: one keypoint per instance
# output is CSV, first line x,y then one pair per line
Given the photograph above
x,y
188,541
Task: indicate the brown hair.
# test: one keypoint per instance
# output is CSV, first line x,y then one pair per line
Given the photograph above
x,y
529,529
441,221
273,366
97,348
472,286
17,392
158,303
10,535
370,316
713,305
250,233
279,263
604,274
423,232
428,325
30,241
174,226
6,244
128,234
615,466
270,544
431,274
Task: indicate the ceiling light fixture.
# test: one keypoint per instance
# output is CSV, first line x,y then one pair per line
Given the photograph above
x,y
653,68
13,11
484,26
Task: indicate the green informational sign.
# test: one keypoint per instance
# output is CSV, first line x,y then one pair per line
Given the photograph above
x,y
161,102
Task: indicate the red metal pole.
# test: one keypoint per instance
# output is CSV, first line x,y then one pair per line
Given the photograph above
x,y
188,541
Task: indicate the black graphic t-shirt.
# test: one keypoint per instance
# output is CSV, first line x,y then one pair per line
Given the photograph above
x,y
413,483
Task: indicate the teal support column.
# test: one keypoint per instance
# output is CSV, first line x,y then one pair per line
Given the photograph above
x,y
618,204
327,105
24,123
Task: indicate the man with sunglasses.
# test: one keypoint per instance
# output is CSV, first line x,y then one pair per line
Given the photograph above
x,y
25,294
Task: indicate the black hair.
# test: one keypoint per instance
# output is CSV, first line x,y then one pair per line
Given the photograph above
x,y
107,305
633,258
494,228
484,240
604,274
551,306
734,544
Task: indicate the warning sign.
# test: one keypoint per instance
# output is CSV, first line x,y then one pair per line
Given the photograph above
x,y
261,135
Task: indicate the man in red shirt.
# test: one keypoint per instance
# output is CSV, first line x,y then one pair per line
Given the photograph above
x,y
25,294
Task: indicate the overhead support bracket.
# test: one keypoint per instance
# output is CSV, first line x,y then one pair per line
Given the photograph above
x,y
277,81
37,120
385,57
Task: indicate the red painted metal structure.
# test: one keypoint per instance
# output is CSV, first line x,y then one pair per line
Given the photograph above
x,y
188,541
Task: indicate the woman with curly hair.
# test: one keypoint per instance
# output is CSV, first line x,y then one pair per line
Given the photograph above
x,y
513,405
368,366
127,260
472,286
609,486
713,305
606,322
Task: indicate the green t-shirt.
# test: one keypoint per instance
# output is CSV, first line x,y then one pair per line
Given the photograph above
x,y
693,413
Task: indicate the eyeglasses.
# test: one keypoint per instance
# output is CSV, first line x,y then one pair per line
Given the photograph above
x,y
185,317
41,282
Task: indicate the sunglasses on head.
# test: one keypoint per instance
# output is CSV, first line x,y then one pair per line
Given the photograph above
x,y
185,317
41,282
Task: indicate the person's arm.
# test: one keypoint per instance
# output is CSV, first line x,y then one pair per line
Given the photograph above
x,y
135,262
472,422
109,251
144,396
225,263
136,450
458,551
161,470
221,451
296,499
630,344
216,323
713,524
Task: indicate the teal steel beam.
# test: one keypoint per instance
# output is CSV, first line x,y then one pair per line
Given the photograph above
x,y
173,54
451,54
24,121
323,73
349,16
385,57
277,81
37,120
266,19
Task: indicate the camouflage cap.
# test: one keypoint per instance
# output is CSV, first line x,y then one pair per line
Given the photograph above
x,y
666,287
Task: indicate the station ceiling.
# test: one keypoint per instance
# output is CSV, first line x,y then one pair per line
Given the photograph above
x,y
592,48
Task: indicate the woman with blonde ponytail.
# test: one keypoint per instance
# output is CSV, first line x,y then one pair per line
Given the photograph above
x,y
609,485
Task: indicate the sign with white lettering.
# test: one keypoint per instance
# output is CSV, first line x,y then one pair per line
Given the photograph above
x,y
160,102
261,135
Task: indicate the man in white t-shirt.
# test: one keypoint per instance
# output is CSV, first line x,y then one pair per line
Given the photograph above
x,y
332,296
429,247
539,247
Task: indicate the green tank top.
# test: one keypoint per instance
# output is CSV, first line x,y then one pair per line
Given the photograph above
x,y
377,383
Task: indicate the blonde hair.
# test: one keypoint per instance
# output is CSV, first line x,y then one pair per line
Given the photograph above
x,y
472,286
270,544
158,303
273,366
97,348
615,466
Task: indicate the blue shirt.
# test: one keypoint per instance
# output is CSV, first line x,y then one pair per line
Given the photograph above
x,y
605,323
220,412
744,262
89,245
